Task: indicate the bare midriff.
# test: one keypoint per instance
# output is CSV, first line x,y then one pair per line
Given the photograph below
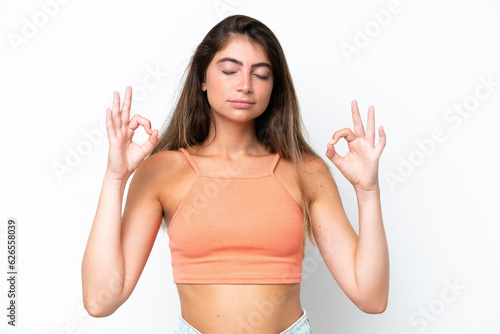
x,y
240,308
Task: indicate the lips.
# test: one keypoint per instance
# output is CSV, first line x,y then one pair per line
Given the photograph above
x,y
242,103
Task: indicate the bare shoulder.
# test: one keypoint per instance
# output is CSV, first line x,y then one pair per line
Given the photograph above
x,y
169,174
317,174
154,172
160,165
314,164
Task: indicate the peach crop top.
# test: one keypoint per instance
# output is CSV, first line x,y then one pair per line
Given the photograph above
x,y
236,230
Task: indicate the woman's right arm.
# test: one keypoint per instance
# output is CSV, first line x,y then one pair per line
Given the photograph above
x,y
118,248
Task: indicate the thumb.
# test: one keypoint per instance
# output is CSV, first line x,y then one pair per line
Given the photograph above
x,y
150,144
333,155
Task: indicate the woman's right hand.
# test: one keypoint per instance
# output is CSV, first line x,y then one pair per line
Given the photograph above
x,y
125,155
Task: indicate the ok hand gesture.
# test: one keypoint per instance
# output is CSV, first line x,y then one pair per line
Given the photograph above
x,y
360,165
125,156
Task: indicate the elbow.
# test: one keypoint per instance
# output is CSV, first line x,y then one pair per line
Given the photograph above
x,y
96,308
97,311
375,305
101,302
374,308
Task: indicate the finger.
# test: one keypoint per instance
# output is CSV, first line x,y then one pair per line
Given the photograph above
x,y
150,144
370,128
137,120
127,101
333,155
109,123
358,124
346,133
382,138
116,111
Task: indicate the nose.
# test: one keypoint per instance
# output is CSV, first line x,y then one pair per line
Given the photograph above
x,y
245,83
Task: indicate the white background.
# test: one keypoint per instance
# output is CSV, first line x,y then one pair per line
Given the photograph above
x,y
440,201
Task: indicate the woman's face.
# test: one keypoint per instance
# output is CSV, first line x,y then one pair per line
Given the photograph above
x,y
239,81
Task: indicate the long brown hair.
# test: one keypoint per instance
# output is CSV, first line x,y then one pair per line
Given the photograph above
x,y
279,128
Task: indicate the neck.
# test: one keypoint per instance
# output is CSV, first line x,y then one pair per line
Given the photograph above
x,y
233,139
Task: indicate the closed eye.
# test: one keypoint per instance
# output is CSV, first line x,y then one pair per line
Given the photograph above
x,y
258,76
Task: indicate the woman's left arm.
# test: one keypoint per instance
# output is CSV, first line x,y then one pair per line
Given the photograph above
x,y
359,264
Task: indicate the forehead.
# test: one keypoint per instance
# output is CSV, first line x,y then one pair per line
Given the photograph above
x,y
243,49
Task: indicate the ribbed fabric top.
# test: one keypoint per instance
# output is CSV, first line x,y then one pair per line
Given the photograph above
x,y
236,230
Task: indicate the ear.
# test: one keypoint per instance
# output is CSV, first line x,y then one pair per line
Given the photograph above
x,y
204,86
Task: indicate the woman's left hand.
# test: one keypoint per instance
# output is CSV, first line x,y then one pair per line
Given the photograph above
x,y
360,165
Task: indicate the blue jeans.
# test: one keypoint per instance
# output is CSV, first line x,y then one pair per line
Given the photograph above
x,y
301,326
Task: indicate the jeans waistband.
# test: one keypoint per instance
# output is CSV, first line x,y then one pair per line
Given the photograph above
x,y
301,325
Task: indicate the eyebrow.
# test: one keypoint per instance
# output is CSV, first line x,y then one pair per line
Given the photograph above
x,y
232,60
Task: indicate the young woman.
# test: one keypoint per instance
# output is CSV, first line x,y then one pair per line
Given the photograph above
x,y
238,189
